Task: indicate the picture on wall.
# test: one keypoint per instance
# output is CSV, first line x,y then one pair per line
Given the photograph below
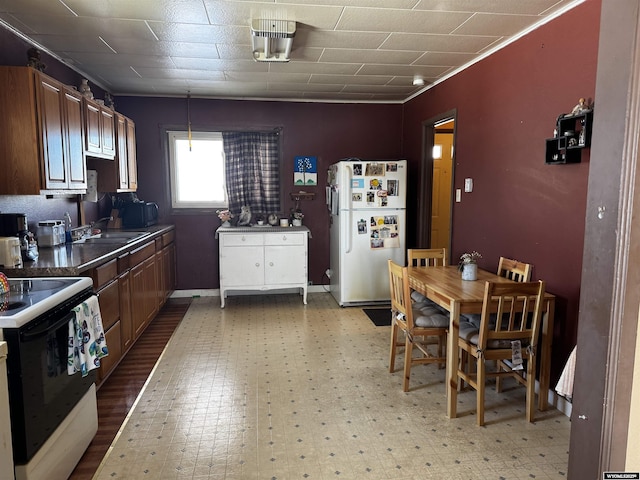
x,y
305,171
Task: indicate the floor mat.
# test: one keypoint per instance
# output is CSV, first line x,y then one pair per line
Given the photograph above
x,y
381,317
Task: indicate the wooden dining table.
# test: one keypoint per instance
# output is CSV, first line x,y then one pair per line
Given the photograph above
x,y
444,286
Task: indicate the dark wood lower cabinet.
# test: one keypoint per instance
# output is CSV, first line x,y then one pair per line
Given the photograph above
x,y
132,290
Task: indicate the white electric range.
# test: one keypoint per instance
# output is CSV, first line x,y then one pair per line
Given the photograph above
x,y
53,414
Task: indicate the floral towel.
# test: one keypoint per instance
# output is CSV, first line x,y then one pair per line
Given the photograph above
x,y
87,343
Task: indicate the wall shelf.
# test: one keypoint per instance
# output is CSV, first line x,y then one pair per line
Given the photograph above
x,y
573,134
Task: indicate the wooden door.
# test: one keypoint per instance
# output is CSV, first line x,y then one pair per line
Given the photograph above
x,y
441,193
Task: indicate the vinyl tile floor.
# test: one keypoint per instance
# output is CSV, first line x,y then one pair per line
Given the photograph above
x,y
269,388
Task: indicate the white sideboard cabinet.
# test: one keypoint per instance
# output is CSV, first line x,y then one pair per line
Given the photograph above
x,y
270,258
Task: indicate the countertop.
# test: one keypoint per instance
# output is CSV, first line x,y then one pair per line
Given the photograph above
x,y
76,258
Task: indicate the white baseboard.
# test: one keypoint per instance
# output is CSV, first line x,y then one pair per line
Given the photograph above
x,y
215,292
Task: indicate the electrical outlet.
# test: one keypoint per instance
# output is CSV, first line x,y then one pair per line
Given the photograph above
x,y
458,195
468,185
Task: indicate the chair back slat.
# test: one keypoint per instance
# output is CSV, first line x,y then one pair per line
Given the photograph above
x,y
514,270
427,257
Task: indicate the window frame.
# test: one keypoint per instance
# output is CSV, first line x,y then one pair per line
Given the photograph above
x,y
181,134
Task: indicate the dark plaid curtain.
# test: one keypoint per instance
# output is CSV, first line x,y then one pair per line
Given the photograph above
x,y
252,170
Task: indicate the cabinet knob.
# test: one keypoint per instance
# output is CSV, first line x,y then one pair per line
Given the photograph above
x,y
271,264
257,264
284,237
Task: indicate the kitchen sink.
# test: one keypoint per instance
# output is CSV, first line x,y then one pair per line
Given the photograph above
x,y
113,237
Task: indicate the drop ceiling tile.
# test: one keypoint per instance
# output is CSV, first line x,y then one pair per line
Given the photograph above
x,y
447,59
403,70
406,4
30,6
387,57
179,73
323,68
241,13
530,7
183,11
438,43
182,32
306,87
93,59
409,21
349,80
220,64
86,26
486,24
268,77
337,39
72,43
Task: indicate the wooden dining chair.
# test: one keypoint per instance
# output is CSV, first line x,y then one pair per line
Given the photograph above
x,y
514,270
418,326
425,257
519,308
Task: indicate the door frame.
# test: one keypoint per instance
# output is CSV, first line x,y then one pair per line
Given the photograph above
x,y
426,177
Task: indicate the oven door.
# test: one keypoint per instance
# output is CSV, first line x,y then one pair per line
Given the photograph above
x,y
41,392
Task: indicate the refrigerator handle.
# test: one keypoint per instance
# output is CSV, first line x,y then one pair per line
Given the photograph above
x,y
347,198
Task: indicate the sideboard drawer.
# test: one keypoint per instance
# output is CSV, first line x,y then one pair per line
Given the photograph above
x,y
285,239
240,240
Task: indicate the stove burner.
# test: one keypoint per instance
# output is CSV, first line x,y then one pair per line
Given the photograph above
x,y
36,286
6,305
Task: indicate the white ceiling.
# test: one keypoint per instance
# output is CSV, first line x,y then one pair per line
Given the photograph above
x,y
345,51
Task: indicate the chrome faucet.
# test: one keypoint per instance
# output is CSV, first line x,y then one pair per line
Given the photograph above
x,y
103,221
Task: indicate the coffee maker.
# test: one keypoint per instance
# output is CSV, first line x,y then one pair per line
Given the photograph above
x,y
16,225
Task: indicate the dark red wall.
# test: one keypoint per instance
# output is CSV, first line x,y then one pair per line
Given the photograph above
x,y
328,131
521,208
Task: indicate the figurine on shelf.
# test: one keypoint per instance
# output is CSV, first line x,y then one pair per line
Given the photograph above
x,y
33,56
244,220
581,107
296,217
85,89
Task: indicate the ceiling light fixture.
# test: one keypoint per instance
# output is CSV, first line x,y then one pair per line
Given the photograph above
x,y
418,81
271,39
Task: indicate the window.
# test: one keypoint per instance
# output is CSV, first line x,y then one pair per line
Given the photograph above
x,y
197,170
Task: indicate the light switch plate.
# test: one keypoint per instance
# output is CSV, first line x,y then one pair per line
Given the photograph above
x,y
468,185
458,195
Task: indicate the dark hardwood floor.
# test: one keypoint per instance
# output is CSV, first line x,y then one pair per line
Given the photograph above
x,y
120,390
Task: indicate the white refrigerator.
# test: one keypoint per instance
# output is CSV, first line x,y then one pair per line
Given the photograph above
x,y
366,199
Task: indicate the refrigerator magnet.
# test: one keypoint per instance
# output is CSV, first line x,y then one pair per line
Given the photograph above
x,y
392,167
362,226
375,184
374,170
392,188
356,197
357,183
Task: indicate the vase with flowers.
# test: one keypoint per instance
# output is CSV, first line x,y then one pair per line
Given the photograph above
x,y
225,217
469,265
